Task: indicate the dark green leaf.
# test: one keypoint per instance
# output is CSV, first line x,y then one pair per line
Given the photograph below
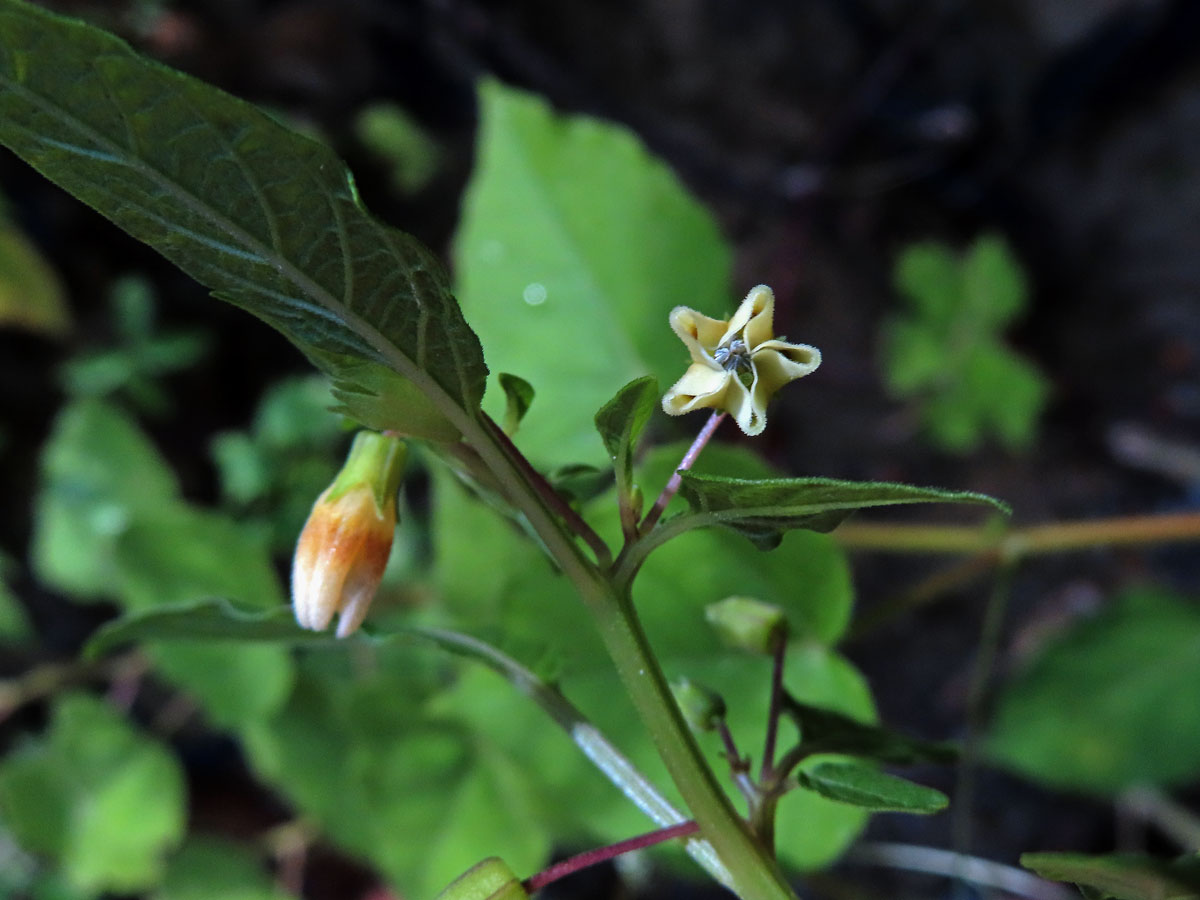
x,y
829,731
209,619
762,509
1121,876
621,421
872,789
1110,703
580,483
267,218
518,395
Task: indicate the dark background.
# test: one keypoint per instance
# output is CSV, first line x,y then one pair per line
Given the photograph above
x,y
825,135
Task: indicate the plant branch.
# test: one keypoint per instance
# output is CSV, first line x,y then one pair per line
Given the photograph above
x,y
548,495
934,861
615,766
689,459
601,854
739,766
49,678
778,656
753,874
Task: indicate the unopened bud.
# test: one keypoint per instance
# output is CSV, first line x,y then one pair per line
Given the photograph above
x,y
702,707
748,624
491,879
345,544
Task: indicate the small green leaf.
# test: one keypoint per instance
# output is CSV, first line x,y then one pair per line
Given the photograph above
x,y
390,132
1121,876
103,800
491,879
518,395
31,293
916,358
929,277
829,731
872,789
947,350
995,372
621,421
1110,702
993,282
762,509
266,218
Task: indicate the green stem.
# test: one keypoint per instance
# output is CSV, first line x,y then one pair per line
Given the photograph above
x,y
587,737
754,875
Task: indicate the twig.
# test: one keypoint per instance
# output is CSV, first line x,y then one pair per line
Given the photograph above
x,y
686,463
552,498
933,861
601,854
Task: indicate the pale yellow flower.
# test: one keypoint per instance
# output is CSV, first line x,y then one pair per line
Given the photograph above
x,y
737,363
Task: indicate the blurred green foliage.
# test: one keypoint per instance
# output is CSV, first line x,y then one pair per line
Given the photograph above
x,y
271,472
946,350
392,134
132,370
104,801
1110,703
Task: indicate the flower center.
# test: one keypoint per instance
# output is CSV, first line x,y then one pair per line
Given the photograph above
x,y
735,356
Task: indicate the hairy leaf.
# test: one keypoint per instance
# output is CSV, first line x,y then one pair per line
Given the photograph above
x,y
518,395
265,217
621,421
829,731
1124,876
872,789
762,509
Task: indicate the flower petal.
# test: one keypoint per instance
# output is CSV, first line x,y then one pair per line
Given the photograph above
x,y
701,386
699,333
778,362
740,403
761,325
753,317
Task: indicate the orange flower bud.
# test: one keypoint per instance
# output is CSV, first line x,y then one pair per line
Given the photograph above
x,y
345,544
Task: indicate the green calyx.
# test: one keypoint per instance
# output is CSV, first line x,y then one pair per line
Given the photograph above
x,y
375,460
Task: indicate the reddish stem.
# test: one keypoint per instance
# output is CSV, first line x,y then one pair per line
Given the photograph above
x,y
689,458
602,854
779,654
